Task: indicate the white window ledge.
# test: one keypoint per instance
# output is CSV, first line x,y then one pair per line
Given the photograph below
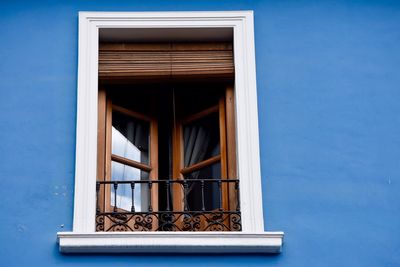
x,y
174,242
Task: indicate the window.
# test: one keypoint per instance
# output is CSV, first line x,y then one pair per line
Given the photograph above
x,y
164,160
84,237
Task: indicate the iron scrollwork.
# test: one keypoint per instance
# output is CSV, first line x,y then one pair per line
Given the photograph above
x,y
168,221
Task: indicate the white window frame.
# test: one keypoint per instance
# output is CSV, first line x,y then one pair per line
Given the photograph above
x,y
252,238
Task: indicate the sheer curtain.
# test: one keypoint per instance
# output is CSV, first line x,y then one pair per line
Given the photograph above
x,y
196,142
198,146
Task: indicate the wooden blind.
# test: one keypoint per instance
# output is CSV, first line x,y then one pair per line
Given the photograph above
x,y
164,61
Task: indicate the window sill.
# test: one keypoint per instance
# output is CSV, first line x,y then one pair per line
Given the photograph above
x,y
170,242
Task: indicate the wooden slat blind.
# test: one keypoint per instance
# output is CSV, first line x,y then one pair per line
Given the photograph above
x,y
176,60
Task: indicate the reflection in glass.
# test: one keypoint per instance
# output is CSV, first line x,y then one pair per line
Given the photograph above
x,y
211,190
130,138
121,172
201,139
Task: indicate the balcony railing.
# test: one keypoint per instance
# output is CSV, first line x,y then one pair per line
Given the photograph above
x,y
200,205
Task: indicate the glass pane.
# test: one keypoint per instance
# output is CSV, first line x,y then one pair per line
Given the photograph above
x,y
121,172
211,190
201,139
130,138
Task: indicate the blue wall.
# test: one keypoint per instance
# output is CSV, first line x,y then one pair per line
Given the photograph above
x,y
328,91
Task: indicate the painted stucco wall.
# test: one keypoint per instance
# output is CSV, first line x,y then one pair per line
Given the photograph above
x,y
328,76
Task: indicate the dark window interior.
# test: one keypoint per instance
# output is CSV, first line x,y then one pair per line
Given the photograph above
x,y
168,103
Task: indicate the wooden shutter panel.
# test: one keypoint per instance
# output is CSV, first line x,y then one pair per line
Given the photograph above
x,y
163,61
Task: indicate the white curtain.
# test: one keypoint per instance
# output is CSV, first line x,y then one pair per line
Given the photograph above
x,y
196,143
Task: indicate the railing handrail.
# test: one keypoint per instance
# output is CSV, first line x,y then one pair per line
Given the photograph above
x,y
168,181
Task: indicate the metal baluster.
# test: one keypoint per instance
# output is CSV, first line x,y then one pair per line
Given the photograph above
x,y
97,197
185,189
115,196
203,206
167,187
150,206
133,196
220,194
237,195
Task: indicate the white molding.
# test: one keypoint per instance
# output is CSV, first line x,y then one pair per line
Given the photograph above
x,y
170,242
246,105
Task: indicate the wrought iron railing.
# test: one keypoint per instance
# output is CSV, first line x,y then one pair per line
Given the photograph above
x,y
206,215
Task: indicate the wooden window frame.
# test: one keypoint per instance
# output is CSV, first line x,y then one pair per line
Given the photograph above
x,y
179,170
253,237
105,156
229,196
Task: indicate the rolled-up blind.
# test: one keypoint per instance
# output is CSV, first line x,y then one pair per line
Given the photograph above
x,y
161,61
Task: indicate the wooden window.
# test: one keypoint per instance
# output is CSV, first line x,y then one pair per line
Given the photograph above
x,y
166,138
201,151
127,152
167,158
